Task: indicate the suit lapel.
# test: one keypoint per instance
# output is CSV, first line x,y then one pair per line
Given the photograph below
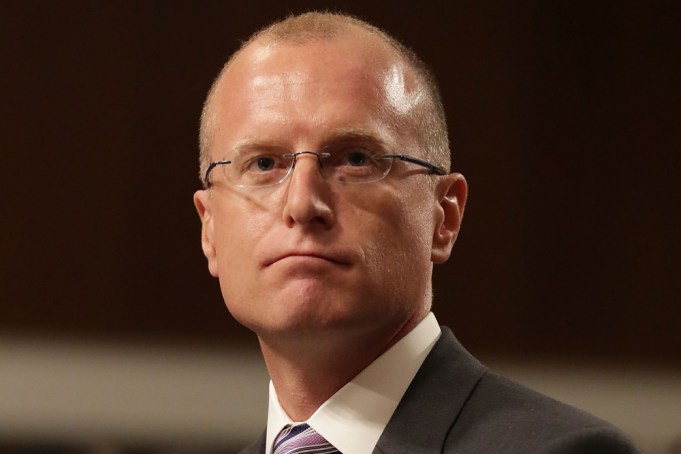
x,y
433,400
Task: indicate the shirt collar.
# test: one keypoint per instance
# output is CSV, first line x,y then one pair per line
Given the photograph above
x,y
354,418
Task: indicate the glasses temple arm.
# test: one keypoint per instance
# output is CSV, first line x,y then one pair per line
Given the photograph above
x,y
211,166
432,167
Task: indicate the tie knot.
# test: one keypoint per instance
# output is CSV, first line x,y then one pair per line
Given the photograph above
x,y
302,439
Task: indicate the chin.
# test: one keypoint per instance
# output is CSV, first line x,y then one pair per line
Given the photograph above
x,y
312,306
304,317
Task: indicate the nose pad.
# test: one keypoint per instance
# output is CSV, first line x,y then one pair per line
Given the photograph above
x,y
311,154
319,156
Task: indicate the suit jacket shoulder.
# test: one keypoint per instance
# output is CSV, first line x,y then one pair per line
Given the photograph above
x,y
455,405
504,416
257,447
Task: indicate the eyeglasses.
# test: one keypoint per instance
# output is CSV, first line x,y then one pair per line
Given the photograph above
x,y
351,166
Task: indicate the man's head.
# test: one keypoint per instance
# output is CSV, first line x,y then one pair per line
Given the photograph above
x,y
310,255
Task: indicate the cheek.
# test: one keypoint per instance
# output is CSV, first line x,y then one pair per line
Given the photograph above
x,y
237,231
396,237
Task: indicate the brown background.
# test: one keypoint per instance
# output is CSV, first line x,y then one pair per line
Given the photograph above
x,y
564,116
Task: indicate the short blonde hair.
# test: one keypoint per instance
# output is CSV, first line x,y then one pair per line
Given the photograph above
x,y
427,122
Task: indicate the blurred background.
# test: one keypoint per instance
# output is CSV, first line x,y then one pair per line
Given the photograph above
x,y
564,117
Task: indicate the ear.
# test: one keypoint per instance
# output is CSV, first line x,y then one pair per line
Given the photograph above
x,y
203,204
451,192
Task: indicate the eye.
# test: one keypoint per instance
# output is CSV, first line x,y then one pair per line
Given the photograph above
x,y
353,157
355,164
356,158
264,163
260,170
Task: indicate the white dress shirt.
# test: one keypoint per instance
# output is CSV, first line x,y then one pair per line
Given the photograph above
x,y
354,418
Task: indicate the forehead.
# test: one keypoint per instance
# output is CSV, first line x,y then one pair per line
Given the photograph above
x,y
317,81
353,55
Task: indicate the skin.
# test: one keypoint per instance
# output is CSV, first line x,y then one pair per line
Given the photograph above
x,y
328,276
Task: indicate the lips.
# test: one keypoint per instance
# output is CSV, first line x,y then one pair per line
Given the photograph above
x,y
337,258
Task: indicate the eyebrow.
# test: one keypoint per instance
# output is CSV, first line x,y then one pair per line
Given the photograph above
x,y
257,143
336,136
353,134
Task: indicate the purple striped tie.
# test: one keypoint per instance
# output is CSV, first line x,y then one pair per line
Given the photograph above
x,y
302,439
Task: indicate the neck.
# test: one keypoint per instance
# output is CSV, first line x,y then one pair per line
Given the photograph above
x,y
306,372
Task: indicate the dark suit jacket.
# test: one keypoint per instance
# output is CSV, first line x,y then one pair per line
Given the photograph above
x,y
455,405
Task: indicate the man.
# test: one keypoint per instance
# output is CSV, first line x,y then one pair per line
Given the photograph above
x,y
327,200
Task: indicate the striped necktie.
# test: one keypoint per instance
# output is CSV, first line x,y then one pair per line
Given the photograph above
x,y
302,439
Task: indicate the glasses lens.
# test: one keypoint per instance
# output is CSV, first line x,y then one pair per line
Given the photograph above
x,y
258,169
356,165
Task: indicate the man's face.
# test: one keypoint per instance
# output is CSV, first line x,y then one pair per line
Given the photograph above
x,y
311,256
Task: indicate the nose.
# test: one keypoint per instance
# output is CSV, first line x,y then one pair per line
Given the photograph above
x,y
307,201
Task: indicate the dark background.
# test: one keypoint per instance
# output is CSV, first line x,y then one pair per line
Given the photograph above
x,y
564,117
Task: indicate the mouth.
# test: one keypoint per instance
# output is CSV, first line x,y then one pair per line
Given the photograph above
x,y
308,256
